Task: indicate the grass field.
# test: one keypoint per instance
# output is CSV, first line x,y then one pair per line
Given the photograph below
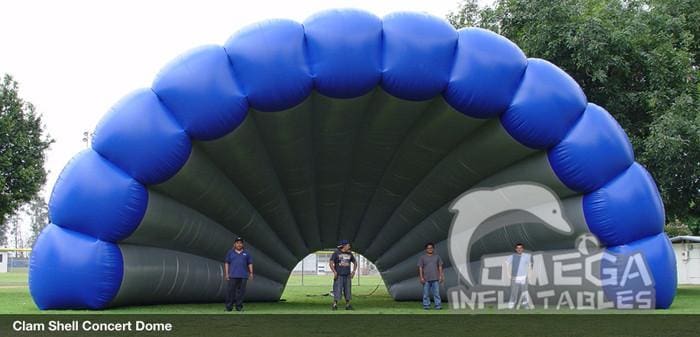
x,y
370,297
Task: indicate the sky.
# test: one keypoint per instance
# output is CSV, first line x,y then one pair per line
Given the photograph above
x,y
75,59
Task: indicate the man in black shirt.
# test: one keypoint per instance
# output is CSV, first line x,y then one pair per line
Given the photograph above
x,y
342,276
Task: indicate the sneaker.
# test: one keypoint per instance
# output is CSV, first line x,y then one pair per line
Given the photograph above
x,y
438,308
334,306
228,310
349,307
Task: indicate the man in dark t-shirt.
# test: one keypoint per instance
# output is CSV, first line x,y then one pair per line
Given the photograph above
x,y
342,275
238,269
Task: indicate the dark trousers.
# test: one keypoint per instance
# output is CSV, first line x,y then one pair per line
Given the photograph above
x,y
235,293
342,285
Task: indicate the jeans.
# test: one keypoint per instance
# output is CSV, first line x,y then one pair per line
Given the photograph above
x,y
235,293
434,288
342,286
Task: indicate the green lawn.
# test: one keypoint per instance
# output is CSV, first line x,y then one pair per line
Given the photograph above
x,y
370,297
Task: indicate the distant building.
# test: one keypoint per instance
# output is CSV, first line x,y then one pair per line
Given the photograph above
x,y
317,264
3,262
687,250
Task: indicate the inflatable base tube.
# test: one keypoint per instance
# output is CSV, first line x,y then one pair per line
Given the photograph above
x,y
84,272
660,260
95,274
154,275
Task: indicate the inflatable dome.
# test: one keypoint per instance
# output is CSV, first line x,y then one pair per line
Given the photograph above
x,y
346,126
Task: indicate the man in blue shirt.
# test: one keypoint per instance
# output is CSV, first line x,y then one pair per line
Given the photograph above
x,y
238,269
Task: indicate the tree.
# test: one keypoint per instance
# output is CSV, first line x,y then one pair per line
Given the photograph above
x,y
22,150
4,232
468,14
38,212
637,58
672,153
676,228
15,238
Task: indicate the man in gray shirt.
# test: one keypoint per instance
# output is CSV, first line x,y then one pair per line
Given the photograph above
x,y
431,275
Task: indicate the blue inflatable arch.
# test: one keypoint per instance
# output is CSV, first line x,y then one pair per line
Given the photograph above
x,y
347,126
